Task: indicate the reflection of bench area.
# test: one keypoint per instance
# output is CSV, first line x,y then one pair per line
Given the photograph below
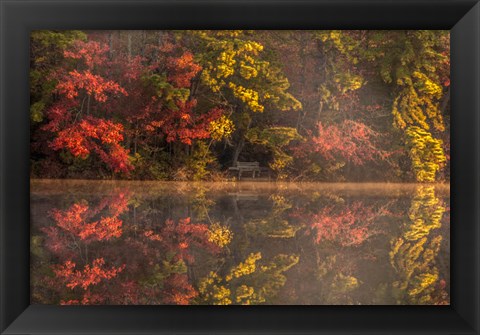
x,y
240,167
243,197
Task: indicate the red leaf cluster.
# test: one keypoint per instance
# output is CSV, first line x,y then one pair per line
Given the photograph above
x,y
179,237
96,86
98,90
89,135
71,241
78,223
182,69
178,291
348,225
91,53
184,126
350,140
90,275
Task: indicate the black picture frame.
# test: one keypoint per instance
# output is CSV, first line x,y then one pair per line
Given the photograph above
x,y
19,17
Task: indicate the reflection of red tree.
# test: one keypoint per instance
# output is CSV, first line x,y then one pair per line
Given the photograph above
x,y
180,237
349,225
90,275
140,264
77,223
178,291
73,221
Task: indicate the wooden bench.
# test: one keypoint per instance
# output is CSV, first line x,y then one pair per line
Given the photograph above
x,y
253,167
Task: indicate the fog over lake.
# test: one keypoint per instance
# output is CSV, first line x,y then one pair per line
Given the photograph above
x,y
125,242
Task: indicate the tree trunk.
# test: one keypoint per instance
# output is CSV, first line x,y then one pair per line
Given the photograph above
x,y
135,141
129,44
241,142
302,112
238,149
110,45
445,100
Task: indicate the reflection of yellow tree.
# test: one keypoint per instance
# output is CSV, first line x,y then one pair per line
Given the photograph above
x,y
336,282
200,201
274,224
248,282
413,254
219,234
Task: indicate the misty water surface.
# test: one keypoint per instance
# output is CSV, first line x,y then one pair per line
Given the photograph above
x,y
239,243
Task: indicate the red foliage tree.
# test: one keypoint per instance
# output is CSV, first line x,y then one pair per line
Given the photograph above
x,y
178,290
118,272
77,224
153,94
161,102
349,224
179,237
351,141
83,93
90,275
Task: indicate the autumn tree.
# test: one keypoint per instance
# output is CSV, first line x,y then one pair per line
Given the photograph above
x,y
77,119
413,255
46,55
238,72
416,65
92,257
185,105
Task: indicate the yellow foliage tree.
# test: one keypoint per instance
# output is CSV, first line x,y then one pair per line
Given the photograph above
x,y
412,61
248,282
425,152
413,254
232,62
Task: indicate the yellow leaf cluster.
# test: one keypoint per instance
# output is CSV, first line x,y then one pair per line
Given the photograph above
x,y
248,96
413,255
412,107
425,213
426,153
212,290
247,283
231,61
245,295
343,283
245,268
221,128
219,235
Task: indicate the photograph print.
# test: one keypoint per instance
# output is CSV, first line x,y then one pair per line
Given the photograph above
x,y
240,167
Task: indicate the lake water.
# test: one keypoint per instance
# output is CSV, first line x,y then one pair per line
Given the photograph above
x,y
144,243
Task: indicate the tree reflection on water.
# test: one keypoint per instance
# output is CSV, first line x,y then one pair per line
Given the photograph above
x,y
174,243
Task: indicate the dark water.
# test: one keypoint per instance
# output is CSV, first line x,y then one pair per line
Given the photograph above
x,y
143,243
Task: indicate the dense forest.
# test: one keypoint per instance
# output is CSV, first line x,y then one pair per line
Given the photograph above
x,y
187,105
